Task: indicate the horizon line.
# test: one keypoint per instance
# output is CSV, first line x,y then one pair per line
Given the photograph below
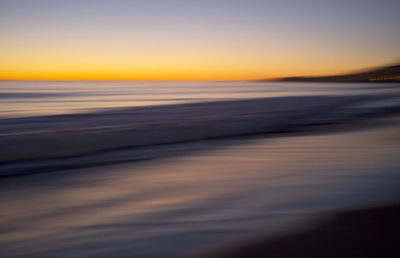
x,y
125,80
272,79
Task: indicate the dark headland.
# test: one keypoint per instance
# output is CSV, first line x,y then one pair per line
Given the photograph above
x,y
382,74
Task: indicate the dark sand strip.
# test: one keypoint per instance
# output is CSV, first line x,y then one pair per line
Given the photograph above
x,y
372,232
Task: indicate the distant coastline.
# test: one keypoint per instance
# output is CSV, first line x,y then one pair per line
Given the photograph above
x,y
384,74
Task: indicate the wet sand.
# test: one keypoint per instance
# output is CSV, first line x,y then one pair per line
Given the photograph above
x,y
201,201
372,232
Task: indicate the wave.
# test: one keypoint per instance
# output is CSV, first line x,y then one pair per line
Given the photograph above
x,y
24,95
37,144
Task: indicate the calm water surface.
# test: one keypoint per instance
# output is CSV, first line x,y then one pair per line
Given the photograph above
x,y
18,99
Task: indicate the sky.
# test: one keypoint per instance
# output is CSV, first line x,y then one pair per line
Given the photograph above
x,y
194,40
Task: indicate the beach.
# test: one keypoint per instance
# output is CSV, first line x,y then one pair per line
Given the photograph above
x,y
199,178
199,129
359,233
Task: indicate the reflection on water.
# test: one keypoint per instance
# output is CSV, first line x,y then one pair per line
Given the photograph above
x,y
44,98
183,205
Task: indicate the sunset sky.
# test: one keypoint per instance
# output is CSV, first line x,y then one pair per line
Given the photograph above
x,y
194,40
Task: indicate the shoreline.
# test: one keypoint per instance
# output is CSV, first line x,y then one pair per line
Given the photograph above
x,y
187,204
113,136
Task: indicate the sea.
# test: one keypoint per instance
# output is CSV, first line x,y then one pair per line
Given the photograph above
x,y
187,169
36,98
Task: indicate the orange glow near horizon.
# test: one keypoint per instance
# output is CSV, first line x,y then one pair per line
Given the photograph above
x,y
175,66
192,40
191,62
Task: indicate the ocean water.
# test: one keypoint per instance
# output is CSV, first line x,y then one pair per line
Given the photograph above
x,y
131,169
21,99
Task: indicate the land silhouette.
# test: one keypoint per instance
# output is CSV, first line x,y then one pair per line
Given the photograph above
x,y
383,74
